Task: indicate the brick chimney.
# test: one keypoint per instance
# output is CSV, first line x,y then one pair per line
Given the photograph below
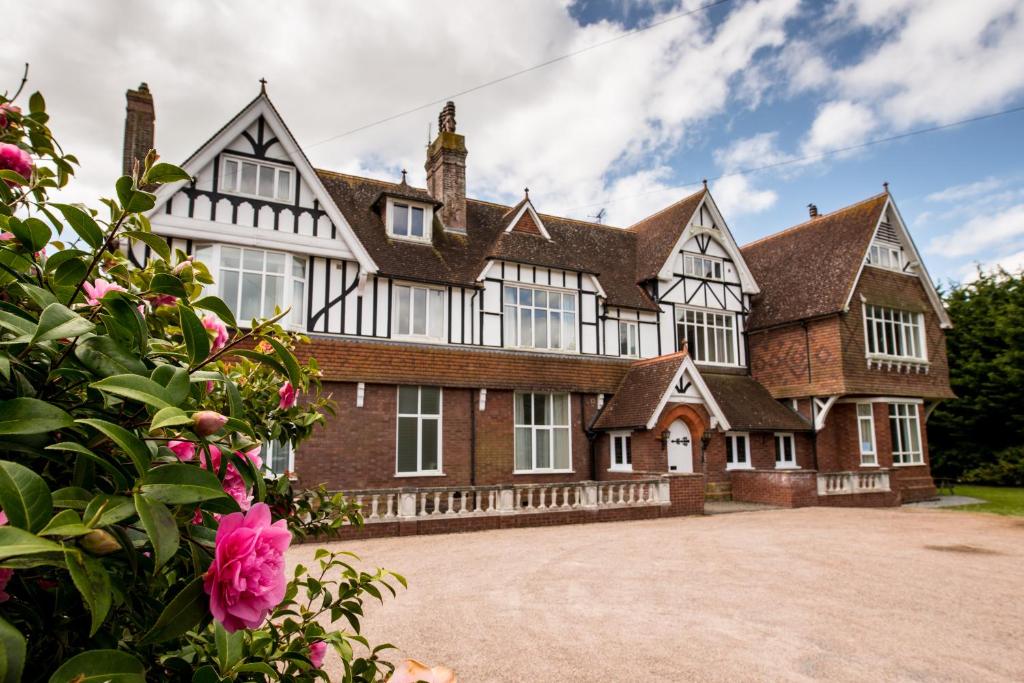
x,y
139,127
446,170
812,210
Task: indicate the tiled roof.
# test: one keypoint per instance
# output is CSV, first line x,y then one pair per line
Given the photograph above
x,y
810,269
459,258
347,360
657,234
640,392
749,407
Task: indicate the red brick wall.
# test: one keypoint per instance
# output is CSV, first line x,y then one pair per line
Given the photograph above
x,y
779,359
785,488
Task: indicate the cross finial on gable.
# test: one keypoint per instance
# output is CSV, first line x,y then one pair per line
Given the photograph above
x,y
885,185
403,176
263,86
526,191
705,181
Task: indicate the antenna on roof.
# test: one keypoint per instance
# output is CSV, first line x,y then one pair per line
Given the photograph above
x,y
430,132
599,216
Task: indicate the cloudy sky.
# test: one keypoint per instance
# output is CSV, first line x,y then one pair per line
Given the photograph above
x,y
629,126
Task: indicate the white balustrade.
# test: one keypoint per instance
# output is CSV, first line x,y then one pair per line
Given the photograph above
x,y
849,483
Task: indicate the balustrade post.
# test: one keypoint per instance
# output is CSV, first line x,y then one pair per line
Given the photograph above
x,y
507,503
407,504
664,492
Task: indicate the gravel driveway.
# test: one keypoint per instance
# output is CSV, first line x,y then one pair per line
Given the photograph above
x,y
810,594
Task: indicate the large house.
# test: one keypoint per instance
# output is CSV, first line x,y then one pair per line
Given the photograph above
x,y
482,354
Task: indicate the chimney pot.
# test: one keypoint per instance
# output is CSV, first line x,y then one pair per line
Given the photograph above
x,y
446,170
812,209
139,127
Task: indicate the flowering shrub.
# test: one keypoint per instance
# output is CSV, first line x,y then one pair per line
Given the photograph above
x,y
140,537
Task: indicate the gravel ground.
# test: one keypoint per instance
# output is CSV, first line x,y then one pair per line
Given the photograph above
x,y
794,595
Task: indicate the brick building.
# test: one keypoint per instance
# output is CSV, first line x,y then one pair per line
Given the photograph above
x,y
481,354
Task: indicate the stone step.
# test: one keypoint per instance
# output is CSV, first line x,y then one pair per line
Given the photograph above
x,y
718,491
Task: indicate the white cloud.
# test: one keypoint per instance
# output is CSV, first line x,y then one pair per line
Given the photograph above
x,y
1011,263
837,125
735,195
758,150
980,233
958,193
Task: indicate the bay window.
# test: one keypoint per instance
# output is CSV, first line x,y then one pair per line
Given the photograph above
x,y
418,312
906,434
621,456
256,179
892,333
710,336
866,430
254,282
542,433
419,431
785,451
540,318
737,451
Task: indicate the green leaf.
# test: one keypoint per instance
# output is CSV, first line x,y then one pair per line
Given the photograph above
x,y
161,528
154,242
105,509
24,496
100,666
125,316
58,321
33,234
82,223
235,400
31,416
169,417
197,339
104,356
40,297
92,582
175,380
181,483
15,542
74,447
65,523
17,324
264,358
229,646
136,388
215,305
71,497
12,653
126,440
36,103
288,359
166,173
181,615
165,283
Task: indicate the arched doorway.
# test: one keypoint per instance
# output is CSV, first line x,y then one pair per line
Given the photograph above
x,y
680,447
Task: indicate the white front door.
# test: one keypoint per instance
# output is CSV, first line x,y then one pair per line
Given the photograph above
x,y
680,448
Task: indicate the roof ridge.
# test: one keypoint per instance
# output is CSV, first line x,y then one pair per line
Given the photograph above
x,y
812,221
670,206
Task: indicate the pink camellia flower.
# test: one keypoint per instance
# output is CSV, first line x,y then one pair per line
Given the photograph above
x,y
6,235
98,289
207,422
233,482
5,574
289,396
163,300
411,671
185,450
317,651
4,109
14,158
220,332
246,579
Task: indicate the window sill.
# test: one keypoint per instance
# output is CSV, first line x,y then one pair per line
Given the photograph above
x,y
729,467
620,469
419,474
418,339
869,464
524,472
909,464
572,352
414,240
787,467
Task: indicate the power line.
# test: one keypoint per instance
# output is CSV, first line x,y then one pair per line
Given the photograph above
x,y
797,160
535,67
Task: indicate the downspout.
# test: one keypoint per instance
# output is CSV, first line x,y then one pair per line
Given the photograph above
x,y
591,438
472,439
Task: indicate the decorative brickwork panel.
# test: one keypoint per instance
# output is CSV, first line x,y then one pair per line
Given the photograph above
x,y
526,224
799,360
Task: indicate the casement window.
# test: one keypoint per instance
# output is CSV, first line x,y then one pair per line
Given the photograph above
x,y
785,451
628,338
409,221
866,430
894,334
419,431
711,337
906,434
542,433
540,318
254,282
278,457
418,312
256,179
737,451
702,266
621,456
885,256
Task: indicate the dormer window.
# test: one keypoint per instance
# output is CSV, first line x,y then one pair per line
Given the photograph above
x,y
256,179
409,221
886,256
704,267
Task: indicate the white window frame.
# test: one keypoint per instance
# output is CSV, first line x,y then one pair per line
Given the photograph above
x,y
292,172
907,331
682,311
420,418
869,457
785,464
513,331
699,265
269,454
428,220
629,346
534,429
885,256
615,442
412,335
296,318
902,456
730,451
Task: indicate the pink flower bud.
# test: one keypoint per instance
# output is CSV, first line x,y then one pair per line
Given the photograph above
x,y
14,158
317,651
163,300
220,332
288,395
207,422
100,542
6,108
187,263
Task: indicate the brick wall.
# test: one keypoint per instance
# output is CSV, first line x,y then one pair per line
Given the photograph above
x,y
785,488
779,359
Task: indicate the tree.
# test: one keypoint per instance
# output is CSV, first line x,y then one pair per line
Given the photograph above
x,y
140,535
981,433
